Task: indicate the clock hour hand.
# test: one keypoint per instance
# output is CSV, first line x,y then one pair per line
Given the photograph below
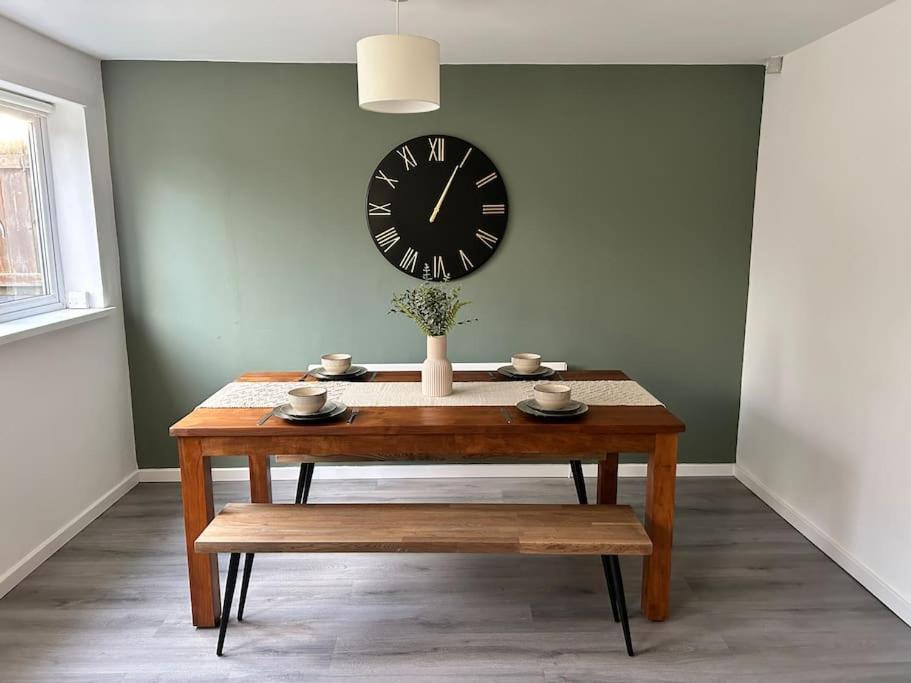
x,y
436,209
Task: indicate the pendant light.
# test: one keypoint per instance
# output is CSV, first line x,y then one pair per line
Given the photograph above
x,y
398,74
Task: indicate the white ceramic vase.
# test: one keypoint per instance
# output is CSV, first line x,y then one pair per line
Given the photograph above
x,y
436,373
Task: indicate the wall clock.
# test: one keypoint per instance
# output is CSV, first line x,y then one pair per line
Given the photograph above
x,y
437,204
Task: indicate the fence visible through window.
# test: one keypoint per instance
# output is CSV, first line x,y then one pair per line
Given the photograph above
x,y
22,263
31,277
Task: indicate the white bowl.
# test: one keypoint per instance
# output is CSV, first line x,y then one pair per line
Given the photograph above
x,y
526,363
307,400
552,396
336,363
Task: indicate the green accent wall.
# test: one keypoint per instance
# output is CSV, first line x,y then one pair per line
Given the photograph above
x,y
239,191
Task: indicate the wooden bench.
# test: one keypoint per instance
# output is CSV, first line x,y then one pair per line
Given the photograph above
x,y
605,530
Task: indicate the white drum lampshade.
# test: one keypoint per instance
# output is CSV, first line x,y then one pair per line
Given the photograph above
x,y
398,74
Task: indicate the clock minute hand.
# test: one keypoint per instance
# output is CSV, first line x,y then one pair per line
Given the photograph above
x,y
436,209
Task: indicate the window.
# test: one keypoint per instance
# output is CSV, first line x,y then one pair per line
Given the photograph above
x,y
30,274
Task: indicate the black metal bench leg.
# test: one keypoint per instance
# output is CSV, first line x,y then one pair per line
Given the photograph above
x,y
301,481
614,563
245,582
611,588
575,467
229,598
306,495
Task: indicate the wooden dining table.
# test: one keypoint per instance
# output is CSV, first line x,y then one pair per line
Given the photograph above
x,y
477,434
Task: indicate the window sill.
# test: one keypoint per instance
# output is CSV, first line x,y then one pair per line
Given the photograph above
x,y
23,328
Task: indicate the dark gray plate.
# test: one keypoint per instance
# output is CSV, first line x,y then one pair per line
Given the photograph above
x,y
354,372
528,407
330,411
571,407
510,372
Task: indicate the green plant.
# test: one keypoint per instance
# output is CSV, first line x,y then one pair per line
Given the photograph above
x,y
432,306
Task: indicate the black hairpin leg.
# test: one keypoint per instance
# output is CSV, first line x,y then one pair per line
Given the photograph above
x,y
310,472
611,589
614,565
229,597
303,482
575,467
248,567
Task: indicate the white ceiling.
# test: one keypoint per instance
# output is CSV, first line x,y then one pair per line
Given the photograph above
x,y
470,31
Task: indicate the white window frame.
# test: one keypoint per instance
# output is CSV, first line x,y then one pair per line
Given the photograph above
x,y
43,190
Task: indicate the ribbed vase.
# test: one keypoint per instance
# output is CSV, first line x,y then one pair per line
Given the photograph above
x,y
436,373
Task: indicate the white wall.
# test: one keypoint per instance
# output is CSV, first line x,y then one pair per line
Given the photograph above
x,y
825,424
58,465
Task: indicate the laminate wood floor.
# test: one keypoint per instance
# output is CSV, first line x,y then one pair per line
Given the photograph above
x,y
752,601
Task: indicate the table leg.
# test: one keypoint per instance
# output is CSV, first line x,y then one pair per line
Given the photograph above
x,y
260,479
607,479
198,511
659,523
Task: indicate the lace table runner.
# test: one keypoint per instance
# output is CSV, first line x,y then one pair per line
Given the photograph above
x,y
378,394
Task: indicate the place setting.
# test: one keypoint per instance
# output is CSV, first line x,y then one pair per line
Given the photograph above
x,y
337,367
307,405
525,366
552,402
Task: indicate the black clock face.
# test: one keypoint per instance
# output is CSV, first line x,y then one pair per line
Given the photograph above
x,y
437,204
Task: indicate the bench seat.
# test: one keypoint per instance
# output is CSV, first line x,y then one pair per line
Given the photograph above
x,y
426,528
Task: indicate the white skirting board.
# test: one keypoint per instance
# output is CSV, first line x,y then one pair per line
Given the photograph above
x,y
865,576
59,538
436,471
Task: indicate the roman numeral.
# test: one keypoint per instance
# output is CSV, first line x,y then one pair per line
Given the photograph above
x,y
486,179
384,177
465,158
409,260
489,240
439,269
437,149
492,209
387,239
379,209
466,262
407,157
